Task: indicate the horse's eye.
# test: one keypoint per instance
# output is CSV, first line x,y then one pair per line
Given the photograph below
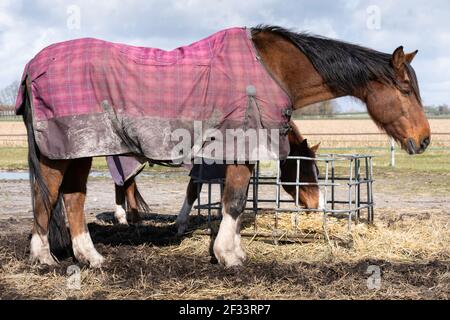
x,y
406,93
405,89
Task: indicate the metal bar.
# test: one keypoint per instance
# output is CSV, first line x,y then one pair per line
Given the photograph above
x,y
209,207
357,187
297,191
392,149
371,220
332,185
327,211
350,196
354,203
278,192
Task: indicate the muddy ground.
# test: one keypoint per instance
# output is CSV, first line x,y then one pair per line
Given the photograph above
x,y
151,262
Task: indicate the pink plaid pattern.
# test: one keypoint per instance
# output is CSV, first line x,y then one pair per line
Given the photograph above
x,y
152,93
74,77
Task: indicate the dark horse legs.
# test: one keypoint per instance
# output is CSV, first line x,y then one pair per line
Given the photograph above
x,y
191,196
125,195
129,196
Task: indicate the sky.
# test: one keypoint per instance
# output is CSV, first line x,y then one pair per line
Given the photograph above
x,y
27,26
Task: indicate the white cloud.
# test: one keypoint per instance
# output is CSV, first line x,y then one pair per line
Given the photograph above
x,y
28,26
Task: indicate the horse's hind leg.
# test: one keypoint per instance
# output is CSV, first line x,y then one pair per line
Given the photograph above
x,y
52,172
130,190
191,196
74,188
227,246
120,214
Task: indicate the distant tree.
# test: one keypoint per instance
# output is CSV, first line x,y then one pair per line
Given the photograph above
x,y
443,109
8,94
436,111
431,110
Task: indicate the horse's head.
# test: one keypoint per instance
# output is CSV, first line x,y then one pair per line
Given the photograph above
x,y
309,196
397,108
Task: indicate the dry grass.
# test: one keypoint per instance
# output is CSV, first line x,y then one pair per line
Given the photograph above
x,y
410,245
411,249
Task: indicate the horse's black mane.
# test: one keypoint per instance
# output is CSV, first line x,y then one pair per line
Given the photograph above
x,y
345,67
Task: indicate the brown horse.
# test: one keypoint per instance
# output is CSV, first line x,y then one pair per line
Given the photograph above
x,y
309,195
311,69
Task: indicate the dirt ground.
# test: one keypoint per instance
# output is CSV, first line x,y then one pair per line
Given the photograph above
x,y
409,245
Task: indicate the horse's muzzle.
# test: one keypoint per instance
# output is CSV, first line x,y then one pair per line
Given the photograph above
x,y
412,148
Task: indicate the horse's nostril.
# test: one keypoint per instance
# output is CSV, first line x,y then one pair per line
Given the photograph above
x,y
425,143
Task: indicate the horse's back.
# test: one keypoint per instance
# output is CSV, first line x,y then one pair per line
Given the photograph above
x,y
75,76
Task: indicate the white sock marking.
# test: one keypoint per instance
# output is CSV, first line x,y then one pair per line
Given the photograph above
x,y
237,241
120,214
84,250
40,250
225,245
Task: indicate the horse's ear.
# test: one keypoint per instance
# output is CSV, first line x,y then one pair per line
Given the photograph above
x,y
409,57
398,59
304,143
315,148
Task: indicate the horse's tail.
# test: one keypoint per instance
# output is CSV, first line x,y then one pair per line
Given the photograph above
x,y
58,234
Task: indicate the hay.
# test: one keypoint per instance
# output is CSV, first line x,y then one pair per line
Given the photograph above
x,y
411,248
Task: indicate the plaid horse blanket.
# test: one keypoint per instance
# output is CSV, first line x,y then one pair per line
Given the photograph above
x,y
95,98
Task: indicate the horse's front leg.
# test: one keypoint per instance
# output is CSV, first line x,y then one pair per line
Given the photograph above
x,y
227,246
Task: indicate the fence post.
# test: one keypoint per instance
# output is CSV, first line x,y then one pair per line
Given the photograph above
x,y
392,152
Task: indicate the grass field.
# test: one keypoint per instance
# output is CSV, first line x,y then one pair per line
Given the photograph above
x,y
434,160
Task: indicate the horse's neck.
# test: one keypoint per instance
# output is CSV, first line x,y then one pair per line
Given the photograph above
x,y
294,70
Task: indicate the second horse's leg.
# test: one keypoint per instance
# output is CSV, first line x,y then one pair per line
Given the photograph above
x,y
120,214
130,190
191,196
227,246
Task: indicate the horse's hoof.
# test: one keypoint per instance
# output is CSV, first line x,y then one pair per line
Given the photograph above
x,y
229,259
94,261
181,229
97,262
43,260
122,222
85,252
135,219
40,251
241,254
121,216
233,263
